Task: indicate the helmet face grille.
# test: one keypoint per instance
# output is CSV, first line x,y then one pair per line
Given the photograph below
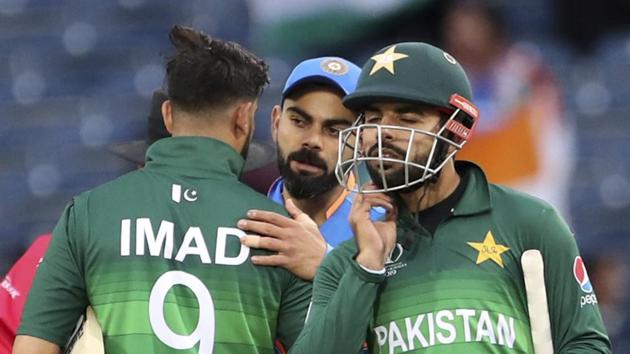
x,y
389,166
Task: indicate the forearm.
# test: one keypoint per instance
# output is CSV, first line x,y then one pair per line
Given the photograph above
x,y
28,345
593,343
339,324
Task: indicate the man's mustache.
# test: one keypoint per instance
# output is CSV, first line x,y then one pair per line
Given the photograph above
x,y
373,151
308,157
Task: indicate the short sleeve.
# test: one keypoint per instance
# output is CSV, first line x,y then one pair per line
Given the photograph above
x,y
58,296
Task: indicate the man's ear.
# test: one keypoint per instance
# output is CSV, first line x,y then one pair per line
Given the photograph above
x,y
241,119
276,113
167,115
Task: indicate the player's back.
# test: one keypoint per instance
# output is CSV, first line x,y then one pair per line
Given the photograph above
x,y
162,262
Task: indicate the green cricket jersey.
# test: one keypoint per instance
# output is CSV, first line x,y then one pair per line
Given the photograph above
x,y
157,254
460,290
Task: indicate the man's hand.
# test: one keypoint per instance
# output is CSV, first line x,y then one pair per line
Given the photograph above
x,y
299,245
375,239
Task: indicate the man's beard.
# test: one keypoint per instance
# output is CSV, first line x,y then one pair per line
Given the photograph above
x,y
396,177
305,186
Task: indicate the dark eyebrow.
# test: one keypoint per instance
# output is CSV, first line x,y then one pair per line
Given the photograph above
x,y
301,112
336,121
328,122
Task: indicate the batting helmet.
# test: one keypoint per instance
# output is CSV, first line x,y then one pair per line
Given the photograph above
x,y
415,73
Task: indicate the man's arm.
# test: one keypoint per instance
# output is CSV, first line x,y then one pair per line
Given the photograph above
x,y
28,344
58,297
294,307
346,289
576,323
342,307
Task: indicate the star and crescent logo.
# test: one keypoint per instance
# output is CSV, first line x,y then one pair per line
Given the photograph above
x,y
386,60
190,195
489,250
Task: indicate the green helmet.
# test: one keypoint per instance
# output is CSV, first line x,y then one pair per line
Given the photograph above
x,y
411,71
414,73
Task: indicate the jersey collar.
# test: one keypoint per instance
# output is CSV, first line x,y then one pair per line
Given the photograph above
x,y
199,157
476,198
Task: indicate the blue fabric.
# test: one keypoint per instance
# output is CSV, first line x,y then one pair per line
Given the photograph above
x,y
330,70
337,228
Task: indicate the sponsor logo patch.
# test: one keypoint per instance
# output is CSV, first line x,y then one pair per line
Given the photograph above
x,y
581,276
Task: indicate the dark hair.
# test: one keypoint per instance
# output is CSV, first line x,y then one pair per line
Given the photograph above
x,y
207,72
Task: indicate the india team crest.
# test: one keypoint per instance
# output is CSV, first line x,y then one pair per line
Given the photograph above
x,y
334,66
579,271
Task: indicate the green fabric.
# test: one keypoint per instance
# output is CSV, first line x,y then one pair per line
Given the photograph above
x,y
411,71
187,198
334,28
436,298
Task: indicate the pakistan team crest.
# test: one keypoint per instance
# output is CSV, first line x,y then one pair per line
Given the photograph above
x,y
489,250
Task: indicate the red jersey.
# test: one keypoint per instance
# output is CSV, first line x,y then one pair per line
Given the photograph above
x,y
14,290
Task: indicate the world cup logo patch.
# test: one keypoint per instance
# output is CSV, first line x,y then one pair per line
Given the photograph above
x,y
579,271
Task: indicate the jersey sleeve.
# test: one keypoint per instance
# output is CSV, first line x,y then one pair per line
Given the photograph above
x,y
341,309
58,297
576,323
293,309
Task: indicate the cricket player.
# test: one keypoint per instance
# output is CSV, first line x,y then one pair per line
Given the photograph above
x,y
458,265
156,253
305,128
18,281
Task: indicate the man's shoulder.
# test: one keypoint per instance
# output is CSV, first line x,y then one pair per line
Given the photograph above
x,y
108,189
520,203
258,200
501,198
530,214
143,185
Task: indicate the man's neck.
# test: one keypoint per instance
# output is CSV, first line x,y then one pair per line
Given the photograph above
x,y
433,193
316,207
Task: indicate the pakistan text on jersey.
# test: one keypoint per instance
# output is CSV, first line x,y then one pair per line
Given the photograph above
x,y
445,327
193,244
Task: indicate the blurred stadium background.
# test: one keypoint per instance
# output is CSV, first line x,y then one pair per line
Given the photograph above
x,y
77,75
